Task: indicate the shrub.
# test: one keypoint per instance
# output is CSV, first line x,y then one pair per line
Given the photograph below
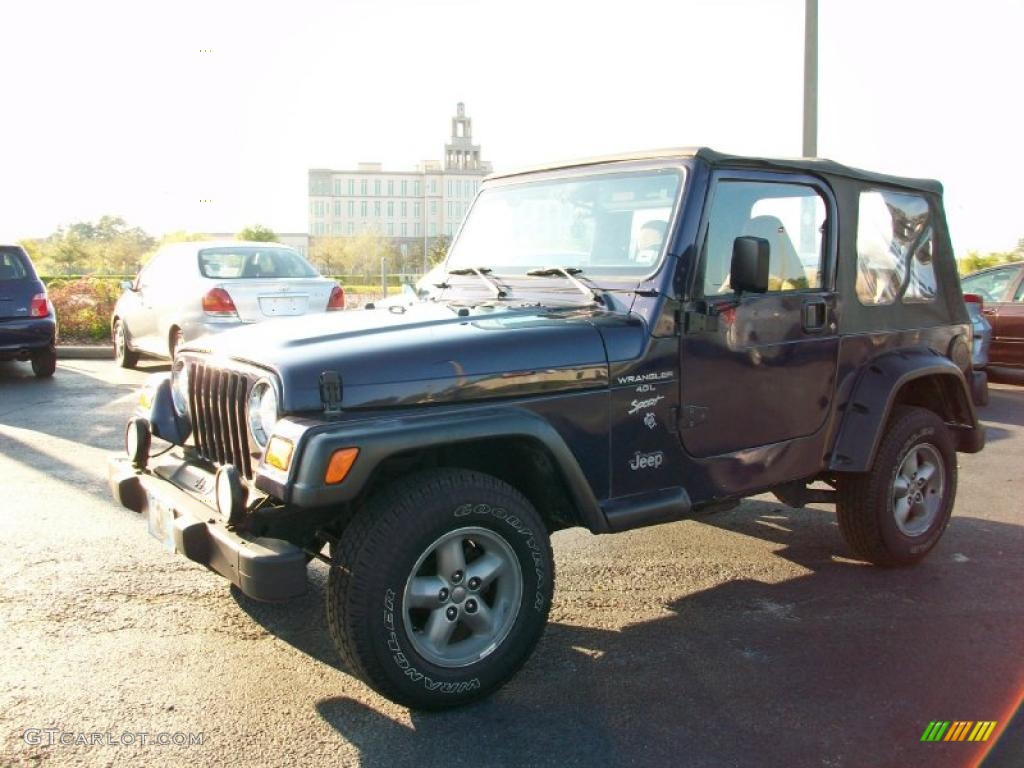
x,y
84,307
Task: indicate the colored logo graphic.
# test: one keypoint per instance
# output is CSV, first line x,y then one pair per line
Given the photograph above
x,y
958,730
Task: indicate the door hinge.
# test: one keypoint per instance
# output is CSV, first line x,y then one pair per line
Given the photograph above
x,y
693,415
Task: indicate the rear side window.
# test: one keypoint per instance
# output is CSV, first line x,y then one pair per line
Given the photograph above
x,y
991,285
252,263
895,245
12,267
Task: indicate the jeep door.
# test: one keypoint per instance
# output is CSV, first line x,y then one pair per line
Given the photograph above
x,y
758,369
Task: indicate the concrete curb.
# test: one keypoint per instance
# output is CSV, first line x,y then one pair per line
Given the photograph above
x,y
85,352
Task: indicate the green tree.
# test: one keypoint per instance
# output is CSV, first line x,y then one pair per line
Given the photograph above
x,y
439,250
330,255
258,233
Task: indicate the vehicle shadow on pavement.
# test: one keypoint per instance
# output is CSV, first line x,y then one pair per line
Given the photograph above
x,y
844,665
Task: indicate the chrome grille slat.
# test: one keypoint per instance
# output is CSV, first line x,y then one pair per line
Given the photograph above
x,y
217,402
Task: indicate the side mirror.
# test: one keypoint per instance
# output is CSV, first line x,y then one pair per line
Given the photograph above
x,y
749,269
127,285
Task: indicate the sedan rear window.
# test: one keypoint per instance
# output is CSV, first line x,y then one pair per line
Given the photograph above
x,y
11,265
247,262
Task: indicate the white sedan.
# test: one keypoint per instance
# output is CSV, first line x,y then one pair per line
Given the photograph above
x,y
191,289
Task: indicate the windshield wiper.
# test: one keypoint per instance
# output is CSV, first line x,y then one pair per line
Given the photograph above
x,y
588,289
481,272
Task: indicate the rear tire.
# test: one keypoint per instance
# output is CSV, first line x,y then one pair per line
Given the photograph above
x,y
123,354
44,363
411,542
896,512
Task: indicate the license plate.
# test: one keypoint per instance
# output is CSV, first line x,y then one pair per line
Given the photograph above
x,y
277,306
161,522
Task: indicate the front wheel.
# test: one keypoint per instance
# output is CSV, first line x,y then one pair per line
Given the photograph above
x,y
895,513
123,354
440,588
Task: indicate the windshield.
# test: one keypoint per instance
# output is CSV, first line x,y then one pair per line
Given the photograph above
x,y
247,262
613,224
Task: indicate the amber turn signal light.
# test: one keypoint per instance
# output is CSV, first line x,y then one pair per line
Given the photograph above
x,y
339,465
279,453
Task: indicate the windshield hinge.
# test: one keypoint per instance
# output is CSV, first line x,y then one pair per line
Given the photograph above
x,y
330,391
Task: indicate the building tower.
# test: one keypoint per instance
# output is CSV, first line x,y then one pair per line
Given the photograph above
x,y
461,154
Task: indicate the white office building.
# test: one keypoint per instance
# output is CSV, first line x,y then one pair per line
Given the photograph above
x,y
409,206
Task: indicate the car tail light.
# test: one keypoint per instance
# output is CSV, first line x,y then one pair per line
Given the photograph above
x,y
217,302
973,298
337,300
39,306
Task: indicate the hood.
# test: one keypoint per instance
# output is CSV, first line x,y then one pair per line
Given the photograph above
x,y
426,354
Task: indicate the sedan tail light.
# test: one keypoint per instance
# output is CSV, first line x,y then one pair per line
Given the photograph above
x,y
337,300
39,306
217,302
973,298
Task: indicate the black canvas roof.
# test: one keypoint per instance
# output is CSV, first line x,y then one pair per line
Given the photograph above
x,y
807,165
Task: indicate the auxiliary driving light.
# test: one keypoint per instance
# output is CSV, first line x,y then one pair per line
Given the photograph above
x,y
231,494
137,438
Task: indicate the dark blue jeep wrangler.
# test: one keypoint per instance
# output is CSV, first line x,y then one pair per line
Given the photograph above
x,y
616,343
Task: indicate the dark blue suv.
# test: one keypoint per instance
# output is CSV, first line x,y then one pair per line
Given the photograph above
x,y
28,324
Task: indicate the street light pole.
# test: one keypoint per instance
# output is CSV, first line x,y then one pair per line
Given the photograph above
x,y
810,144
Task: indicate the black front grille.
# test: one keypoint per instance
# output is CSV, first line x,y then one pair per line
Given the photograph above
x,y
217,402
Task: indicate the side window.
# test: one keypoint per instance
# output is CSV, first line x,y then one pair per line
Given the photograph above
x,y
991,285
791,217
1019,297
894,248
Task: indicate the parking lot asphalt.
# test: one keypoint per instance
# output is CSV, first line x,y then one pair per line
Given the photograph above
x,y
745,638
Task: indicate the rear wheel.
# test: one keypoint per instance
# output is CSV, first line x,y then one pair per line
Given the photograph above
x,y
44,363
124,356
440,588
895,513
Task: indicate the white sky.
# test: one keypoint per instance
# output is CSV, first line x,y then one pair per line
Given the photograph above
x,y
110,107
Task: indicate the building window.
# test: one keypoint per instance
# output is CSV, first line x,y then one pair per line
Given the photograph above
x,y
405,209
415,189
468,186
376,187
362,187
433,207
351,227
336,228
337,187
405,188
433,186
351,208
376,207
391,229
415,210
351,186
405,229
362,208
433,228
391,208
337,207
391,188
417,229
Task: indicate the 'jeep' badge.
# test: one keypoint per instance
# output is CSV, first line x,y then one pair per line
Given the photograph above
x,y
646,460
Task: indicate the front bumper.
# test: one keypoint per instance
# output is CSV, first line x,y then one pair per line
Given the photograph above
x,y
262,568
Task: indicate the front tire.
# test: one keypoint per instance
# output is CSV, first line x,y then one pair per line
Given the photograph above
x,y
44,363
896,512
440,588
123,354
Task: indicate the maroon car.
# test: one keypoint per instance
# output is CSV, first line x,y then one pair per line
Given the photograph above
x,y
1002,289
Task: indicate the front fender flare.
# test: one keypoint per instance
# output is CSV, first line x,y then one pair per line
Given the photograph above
x,y
381,438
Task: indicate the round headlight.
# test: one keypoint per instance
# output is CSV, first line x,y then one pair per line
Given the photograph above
x,y
179,387
263,412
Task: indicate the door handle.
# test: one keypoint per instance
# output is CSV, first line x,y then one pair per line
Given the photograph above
x,y
815,315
